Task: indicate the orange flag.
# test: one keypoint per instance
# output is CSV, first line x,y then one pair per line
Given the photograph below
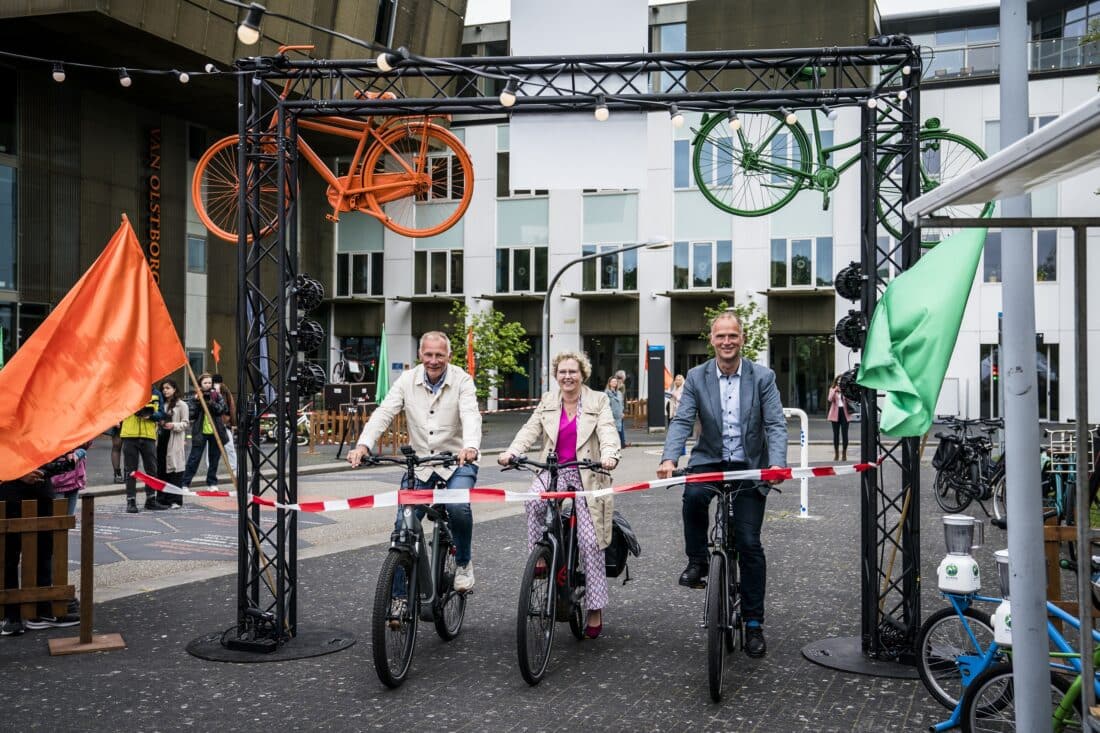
x,y
217,352
668,379
471,359
91,363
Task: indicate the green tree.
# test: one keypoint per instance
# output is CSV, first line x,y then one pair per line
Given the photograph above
x,y
497,345
756,326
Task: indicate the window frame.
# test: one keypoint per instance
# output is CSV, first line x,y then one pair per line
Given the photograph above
x,y
375,269
532,250
716,262
424,260
815,243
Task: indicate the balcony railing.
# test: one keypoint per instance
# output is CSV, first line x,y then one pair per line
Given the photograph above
x,y
955,62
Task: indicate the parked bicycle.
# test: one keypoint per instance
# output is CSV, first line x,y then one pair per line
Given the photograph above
x,y
965,468
755,163
396,163
416,582
553,585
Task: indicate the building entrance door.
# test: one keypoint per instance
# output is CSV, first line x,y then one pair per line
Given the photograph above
x,y
803,370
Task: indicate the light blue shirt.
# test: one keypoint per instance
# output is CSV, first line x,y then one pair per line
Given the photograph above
x,y
733,448
436,386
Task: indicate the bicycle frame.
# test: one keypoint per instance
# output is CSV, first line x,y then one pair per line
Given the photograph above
x,y
722,545
409,538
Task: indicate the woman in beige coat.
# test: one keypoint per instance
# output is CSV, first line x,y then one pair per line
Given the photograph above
x,y
174,430
576,423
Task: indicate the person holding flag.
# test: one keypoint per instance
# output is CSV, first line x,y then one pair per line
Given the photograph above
x,y
440,405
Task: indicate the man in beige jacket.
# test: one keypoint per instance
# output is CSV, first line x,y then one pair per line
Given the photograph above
x,y
440,405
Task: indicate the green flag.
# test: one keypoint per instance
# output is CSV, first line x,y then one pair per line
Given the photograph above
x,y
382,385
913,332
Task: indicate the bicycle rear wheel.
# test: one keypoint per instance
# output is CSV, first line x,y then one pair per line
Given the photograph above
x,y
451,606
215,188
942,639
534,620
944,156
393,623
755,170
989,703
1000,499
717,598
950,498
418,162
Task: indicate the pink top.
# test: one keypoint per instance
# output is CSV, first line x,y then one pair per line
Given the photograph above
x,y
836,404
567,437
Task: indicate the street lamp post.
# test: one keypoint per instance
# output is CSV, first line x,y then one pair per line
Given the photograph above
x,y
653,243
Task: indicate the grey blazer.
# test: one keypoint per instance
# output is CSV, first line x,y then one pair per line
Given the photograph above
x,y
763,427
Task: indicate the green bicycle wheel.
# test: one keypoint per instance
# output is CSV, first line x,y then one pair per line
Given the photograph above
x,y
944,156
754,170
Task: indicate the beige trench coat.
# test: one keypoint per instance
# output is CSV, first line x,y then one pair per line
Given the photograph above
x,y
176,456
597,440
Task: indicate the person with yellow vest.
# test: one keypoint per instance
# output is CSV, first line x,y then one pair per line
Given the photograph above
x,y
139,438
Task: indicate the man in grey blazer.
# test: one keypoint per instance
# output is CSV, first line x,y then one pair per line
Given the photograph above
x,y
737,404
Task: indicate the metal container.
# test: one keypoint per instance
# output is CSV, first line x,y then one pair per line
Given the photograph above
x,y
1002,571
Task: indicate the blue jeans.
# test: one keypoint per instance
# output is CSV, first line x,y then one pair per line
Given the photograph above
x,y
195,457
461,518
748,512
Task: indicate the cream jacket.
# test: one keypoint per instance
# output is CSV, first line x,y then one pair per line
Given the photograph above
x,y
597,440
445,421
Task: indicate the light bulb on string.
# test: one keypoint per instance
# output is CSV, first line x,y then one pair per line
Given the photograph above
x,y
124,78
830,112
602,113
508,95
788,116
183,77
903,95
734,120
58,72
872,103
676,116
248,32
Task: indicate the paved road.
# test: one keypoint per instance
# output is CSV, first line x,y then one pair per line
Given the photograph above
x,y
646,673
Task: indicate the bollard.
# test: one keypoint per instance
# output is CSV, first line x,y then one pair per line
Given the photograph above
x,y
803,458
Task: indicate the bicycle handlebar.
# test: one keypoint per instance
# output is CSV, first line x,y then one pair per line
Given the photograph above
x,y
409,458
553,466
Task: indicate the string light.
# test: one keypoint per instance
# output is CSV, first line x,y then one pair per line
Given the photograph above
x,y
907,69
183,77
677,116
58,72
872,103
829,111
734,120
248,32
602,112
508,96
903,95
789,117
124,78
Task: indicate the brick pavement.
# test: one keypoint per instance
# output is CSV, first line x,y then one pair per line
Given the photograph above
x,y
646,673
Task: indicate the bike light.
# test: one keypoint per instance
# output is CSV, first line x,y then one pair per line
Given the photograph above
x,y
248,32
851,330
602,112
124,78
58,72
677,116
508,96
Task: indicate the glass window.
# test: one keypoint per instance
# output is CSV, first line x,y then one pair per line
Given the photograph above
x,y
725,264
521,269
588,271
195,359
376,273
824,261
667,38
681,256
1046,255
502,270
779,263
343,268
882,252
437,275
826,142
951,37
682,163
420,272
779,155
702,267
457,279
8,133
609,269
1076,14
985,34
1076,29
630,269
502,175
991,261
801,261
8,242
542,257
360,274
196,253
723,163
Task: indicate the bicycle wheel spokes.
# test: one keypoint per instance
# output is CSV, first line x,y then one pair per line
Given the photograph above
x,y
417,163
943,638
944,156
535,616
754,170
216,186
452,604
393,623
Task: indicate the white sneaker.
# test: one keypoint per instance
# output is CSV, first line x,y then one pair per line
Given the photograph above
x,y
464,577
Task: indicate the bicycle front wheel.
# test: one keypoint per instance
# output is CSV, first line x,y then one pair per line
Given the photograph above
x,y
535,616
215,188
951,499
717,618
944,156
1000,500
393,623
418,163
754,170
989,703
451,607
942,639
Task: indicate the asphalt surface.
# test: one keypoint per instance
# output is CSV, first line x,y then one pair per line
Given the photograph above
x,y
647,672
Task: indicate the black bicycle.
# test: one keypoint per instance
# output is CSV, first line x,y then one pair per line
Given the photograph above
x,y
965,468
722,616
552,564
416,581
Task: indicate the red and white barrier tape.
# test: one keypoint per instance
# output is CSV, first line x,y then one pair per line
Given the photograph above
x,y
488,494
